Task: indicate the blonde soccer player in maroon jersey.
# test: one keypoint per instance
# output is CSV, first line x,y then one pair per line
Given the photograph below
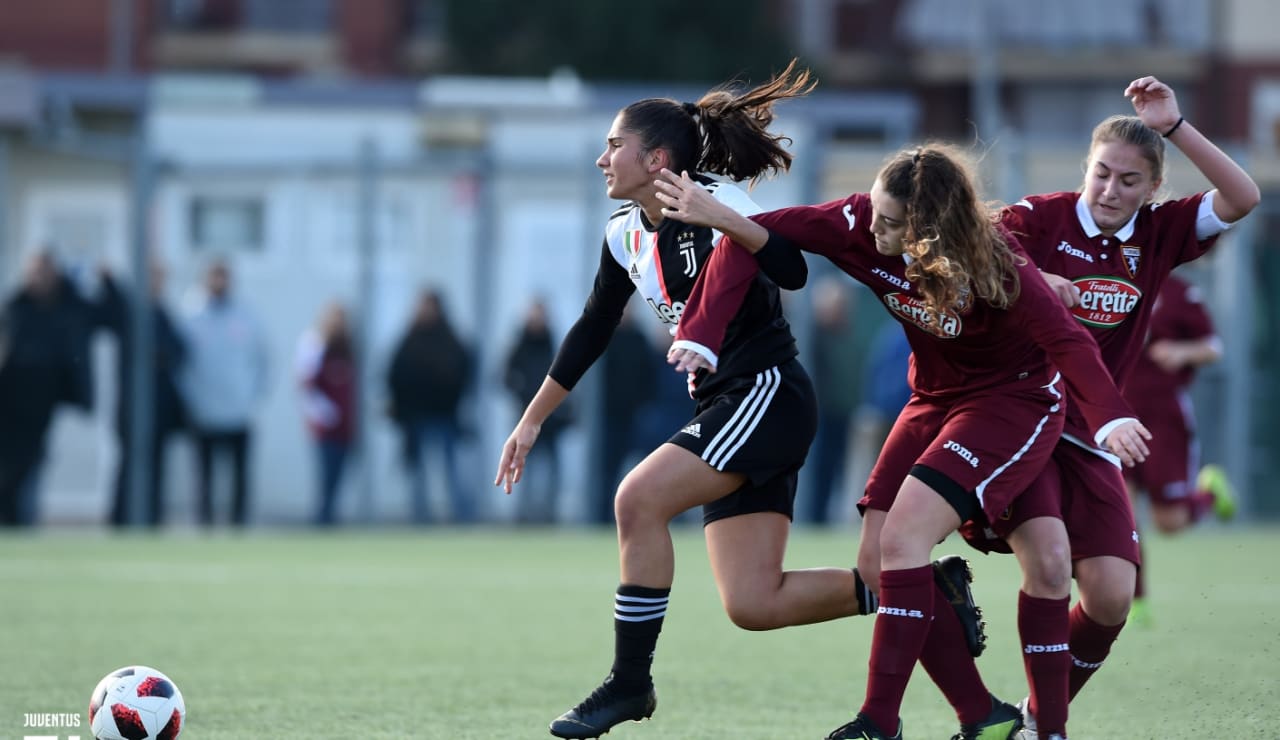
x,y
988,340
1106,249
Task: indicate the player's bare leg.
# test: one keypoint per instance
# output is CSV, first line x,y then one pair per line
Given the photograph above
x,y
666,483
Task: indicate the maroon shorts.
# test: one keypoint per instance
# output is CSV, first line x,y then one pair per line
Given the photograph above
x,y
1042,498
1167,473
991,443
1089,492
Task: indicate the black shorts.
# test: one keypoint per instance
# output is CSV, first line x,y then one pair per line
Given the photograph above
x,y
760,426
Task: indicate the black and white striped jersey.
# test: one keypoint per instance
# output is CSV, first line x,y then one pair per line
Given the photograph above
x,y
663,264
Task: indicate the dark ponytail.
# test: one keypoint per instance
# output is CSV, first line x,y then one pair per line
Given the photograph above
x,y
724,133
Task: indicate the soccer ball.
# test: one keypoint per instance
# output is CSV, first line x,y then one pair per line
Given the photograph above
x,y
136,703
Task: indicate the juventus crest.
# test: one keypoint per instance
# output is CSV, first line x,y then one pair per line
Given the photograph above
x,y
685,241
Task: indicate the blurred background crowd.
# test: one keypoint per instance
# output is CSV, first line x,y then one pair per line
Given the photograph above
x,y
302,262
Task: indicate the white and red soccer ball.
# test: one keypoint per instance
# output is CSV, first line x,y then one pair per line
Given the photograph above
x,y
136,703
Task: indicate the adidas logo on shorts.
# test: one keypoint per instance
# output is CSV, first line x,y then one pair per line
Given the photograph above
x,y
693,430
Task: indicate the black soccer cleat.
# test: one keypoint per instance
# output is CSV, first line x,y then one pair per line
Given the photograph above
x,y
953,576
862,728
606,707
1003,723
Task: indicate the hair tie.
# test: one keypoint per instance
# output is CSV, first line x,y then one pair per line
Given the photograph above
x,y
691,108
1169,133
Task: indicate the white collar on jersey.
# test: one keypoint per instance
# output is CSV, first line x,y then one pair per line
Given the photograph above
x,y
1090,227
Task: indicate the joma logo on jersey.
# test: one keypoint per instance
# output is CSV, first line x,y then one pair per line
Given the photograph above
x,y
848,216
668,312
962,451
893,280
1060,647
912,309
1105,301
1071,251
894,611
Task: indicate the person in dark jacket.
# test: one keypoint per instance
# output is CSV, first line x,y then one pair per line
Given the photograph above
x,y
429,373
44,362
526,367
168,352
628,364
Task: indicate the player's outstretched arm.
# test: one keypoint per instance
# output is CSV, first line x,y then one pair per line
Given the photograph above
x,y
690,203
1157,106
511,467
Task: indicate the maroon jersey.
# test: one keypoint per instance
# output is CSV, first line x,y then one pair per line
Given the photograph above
x,y
977,349
1118,276
1178,315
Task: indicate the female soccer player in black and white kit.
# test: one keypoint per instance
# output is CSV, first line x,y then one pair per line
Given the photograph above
x,y
739,455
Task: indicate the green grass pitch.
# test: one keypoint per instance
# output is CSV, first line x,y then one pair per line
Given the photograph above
x,y
491,633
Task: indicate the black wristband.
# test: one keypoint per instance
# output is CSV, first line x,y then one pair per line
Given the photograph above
x,y
1169,133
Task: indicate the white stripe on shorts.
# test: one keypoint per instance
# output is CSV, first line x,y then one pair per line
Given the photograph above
x,y
744,421
982,487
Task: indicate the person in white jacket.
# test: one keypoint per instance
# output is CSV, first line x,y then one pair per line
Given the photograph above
x,y
223,382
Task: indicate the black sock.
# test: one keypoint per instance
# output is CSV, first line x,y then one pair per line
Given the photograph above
x,y
637,620
867,601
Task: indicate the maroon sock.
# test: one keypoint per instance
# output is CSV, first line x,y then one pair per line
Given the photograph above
x,y
902,624
1090,643
947,660
1198,503
1044,626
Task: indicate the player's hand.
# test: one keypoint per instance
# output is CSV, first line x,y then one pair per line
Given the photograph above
x,y
1167,355
685,200
688,361
1129,442
1154,102
1067,291
514,452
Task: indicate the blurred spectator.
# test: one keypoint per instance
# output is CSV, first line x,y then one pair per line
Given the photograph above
x,y
44,362
526,368
327,372
628,368
222,382
884,392
429,372
835,369
671,405
168,352
668,410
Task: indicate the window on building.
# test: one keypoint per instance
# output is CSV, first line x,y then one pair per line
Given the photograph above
x,y
288,16
200,15
425,18
227,223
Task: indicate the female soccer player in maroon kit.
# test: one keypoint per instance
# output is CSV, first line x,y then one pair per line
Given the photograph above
x,y
986,409
1182,339
1106,250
